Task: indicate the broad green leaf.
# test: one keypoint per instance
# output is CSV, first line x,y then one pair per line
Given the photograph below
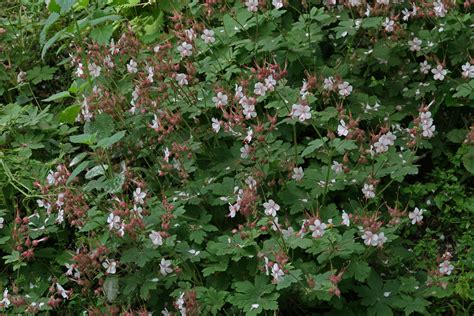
x,y
87,139
58,96
102,34
69,114
78,170
109,141
111,288
96,171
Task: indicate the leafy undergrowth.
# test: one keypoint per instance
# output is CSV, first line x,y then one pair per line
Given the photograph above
x,y
236,157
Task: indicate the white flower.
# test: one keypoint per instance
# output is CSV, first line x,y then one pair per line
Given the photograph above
x,y
254,306
245,151
233,209
446,267
156,238
381,239
110,266
180,303
139,196
249,110
271,208
345,219
415,44
439,72
329,83
337,166
114,221
270,83
114,50
384,142
345,89
194,252
467,70
208,36
181,79
251,182
239,92
2,221
277,4
249,136
416,216
288,232
62,291
298,174
166,154
370,239
132,66
60,217
50,178
260,89
155,123
252,5
342,129
150,72
277,273
216,125
318,228
94,70
388,25
406,14
190,34
304,90
425,67
79,70
439,9
220,99
300,112
368,190
108,62
156,49
165,267
5,302
185,49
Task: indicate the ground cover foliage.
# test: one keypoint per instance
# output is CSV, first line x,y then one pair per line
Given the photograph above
x,y
236,157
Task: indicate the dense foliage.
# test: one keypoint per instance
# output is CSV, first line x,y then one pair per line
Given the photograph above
x,y
236,157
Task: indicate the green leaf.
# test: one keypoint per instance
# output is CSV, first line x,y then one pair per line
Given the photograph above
x,y
69,114
39,74
416,305
111,288
312,146
78,170
114,185
289,278
255,298
359,269
77,159
65,5
468,160
96,171
59,35
146,287
58,96
87,139
52,18
109,141
215,267
102,34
